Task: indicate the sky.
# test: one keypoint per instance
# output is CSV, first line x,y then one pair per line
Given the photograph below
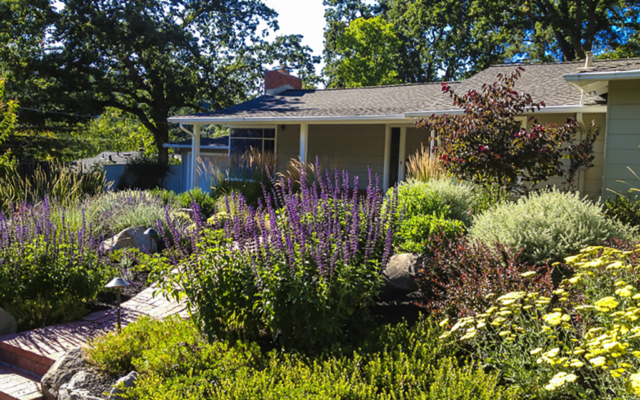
x,y
301,17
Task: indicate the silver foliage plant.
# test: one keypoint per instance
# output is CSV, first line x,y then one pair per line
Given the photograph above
x,y
548,225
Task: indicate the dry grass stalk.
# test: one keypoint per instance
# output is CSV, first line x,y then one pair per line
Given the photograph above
x,y
423,166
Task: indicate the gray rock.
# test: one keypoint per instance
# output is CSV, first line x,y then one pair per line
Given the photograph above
x,y
400,274
74,389
127,382
131,238
61,373
8,324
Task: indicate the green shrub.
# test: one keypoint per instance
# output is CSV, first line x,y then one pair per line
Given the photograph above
x,y
624,208
38,312
401,362
444,196
548,225
205,201
413,233
46,272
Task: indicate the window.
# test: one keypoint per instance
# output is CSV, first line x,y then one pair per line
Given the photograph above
x,y
242,141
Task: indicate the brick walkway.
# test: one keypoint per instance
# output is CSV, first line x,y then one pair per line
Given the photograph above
x,y
33,352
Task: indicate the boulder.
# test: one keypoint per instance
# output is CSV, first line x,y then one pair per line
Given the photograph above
x,y
75,388
61,373
400,274
127,381
8,324
129,238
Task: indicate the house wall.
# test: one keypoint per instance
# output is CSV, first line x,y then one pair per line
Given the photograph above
x,y
623,137
354,148
287,145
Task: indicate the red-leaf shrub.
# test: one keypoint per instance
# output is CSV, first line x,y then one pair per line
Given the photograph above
x,y
461,274
487,144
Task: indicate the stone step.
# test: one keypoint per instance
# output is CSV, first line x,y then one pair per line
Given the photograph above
x,y
18,385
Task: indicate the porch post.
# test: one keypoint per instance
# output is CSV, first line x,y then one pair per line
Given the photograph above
x,y
402,153
304,142
387,158
195,156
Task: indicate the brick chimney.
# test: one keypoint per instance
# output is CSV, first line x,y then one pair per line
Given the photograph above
x,y
279,80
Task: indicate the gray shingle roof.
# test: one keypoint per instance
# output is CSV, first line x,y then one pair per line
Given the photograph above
x,y
543,81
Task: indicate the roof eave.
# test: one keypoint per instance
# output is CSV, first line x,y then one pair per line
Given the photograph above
x,y
569,108
193,119
583,79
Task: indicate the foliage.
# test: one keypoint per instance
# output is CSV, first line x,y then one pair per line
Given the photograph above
x,y
487,145
625,208
459,275
7,123
43,265
33,313
423,166
205,202
548,225
144,172
414,233
564,31
583,344
368,51
147,59
446,197
176,362
303,267
58,182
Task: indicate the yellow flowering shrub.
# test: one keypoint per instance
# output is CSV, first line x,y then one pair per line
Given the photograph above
x,y
583,342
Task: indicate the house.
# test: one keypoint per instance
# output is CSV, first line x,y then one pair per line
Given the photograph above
x,y
373,127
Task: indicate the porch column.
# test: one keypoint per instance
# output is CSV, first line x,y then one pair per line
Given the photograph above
x,y
195,156
402,153
387,158
304,142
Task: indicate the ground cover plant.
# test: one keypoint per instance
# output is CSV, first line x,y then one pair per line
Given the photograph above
x,y
580,343
548,225
176,361
47,270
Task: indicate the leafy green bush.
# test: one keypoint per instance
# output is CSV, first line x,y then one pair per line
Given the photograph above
x,y
32,313
176,362
413,233
444,196
43,266
206,202
624,208
548,225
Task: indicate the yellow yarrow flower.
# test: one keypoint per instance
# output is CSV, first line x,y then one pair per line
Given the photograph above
x,y
633,384
606,304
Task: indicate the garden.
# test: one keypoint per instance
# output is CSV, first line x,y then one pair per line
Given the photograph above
x,y
521,291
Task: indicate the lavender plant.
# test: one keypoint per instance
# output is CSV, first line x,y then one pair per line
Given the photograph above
x,y
303,266
42,260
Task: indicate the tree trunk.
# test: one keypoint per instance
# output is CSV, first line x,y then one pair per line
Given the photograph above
x,y
162,137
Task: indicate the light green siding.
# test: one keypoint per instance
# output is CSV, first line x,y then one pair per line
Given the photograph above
x,y
287,145
623,137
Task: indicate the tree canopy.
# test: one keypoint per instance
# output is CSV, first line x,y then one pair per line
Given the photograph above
x,y
442,40
145,58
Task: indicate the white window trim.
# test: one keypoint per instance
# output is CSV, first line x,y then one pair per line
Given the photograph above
x,y
274,139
